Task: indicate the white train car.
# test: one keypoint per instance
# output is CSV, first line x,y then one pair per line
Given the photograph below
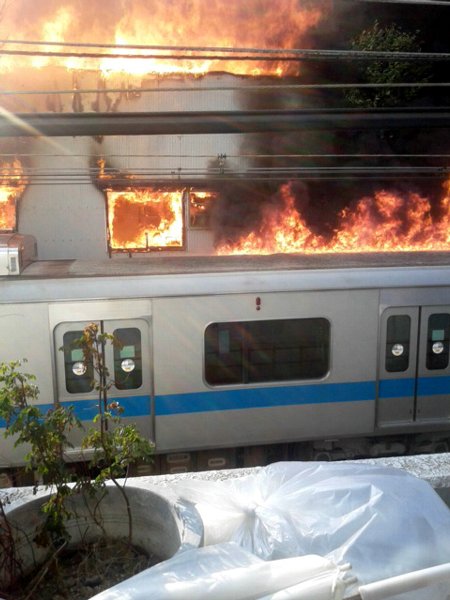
x,y
237,357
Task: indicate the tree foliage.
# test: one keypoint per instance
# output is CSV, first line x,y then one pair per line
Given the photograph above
x,y
45,435
387,39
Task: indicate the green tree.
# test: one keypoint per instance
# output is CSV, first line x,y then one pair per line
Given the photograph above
x,y
387,39
44,436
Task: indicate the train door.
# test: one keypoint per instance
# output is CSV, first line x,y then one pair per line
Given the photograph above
x,y
128,364
414,370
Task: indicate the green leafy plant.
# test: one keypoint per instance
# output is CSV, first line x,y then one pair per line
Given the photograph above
x,y
113,445
387,39
46,436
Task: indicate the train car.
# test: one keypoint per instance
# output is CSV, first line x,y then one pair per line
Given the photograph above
x,y
241,360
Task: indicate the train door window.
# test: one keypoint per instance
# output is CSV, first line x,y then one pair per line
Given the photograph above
x,y
438,341
128,359
397,343
79,373
257,351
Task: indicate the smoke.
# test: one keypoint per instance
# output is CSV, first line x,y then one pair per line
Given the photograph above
x,y
239,210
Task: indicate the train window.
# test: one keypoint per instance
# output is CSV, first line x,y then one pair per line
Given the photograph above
x,y
256,351
397,343
438,341
128,359
223,353
78,372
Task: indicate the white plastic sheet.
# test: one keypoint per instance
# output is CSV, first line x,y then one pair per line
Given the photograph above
x,y
227,572
383,521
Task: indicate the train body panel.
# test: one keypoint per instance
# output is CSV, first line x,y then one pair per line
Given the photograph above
x,y
243,358
26,335
252,412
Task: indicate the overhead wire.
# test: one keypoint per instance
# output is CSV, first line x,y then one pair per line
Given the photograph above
x,y
179,174
215,156
224,88
219,52
284,55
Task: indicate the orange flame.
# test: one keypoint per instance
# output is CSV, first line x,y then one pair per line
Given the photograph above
x,y
261,24
12,185
145,219
200,204
385,222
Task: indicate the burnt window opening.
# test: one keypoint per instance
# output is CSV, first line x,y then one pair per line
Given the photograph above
x,y
145,219
200,204
12,185
8,209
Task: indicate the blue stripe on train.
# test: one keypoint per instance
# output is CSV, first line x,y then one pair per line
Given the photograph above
x,y
426,386
246,398
430,386
85,410
396,388
264,397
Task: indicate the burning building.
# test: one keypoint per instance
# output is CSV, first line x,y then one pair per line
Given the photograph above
x,y
90,196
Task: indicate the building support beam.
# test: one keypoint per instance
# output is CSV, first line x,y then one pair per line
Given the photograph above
x,y
216,122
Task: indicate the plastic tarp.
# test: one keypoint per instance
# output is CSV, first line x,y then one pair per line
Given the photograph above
x,y
227,572
382,521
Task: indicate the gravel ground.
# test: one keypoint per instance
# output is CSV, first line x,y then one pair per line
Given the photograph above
x,y
79,575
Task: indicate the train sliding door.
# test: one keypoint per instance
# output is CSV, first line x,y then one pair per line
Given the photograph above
x,y
128,363
414,370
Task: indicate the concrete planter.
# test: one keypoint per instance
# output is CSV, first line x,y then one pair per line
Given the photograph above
x,y
162,524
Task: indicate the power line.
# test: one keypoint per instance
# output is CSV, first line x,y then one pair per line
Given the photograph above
x,y
241,88
212,179
261,54
110,177
165,47
212,156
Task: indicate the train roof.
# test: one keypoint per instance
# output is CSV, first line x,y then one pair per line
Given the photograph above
x,y
146,276
139,264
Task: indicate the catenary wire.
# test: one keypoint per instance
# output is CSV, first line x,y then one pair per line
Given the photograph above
x,y
226,156
283,55
224,88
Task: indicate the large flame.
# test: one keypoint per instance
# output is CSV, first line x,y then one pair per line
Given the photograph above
x,y
12,185
385,222
145,219
261,24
